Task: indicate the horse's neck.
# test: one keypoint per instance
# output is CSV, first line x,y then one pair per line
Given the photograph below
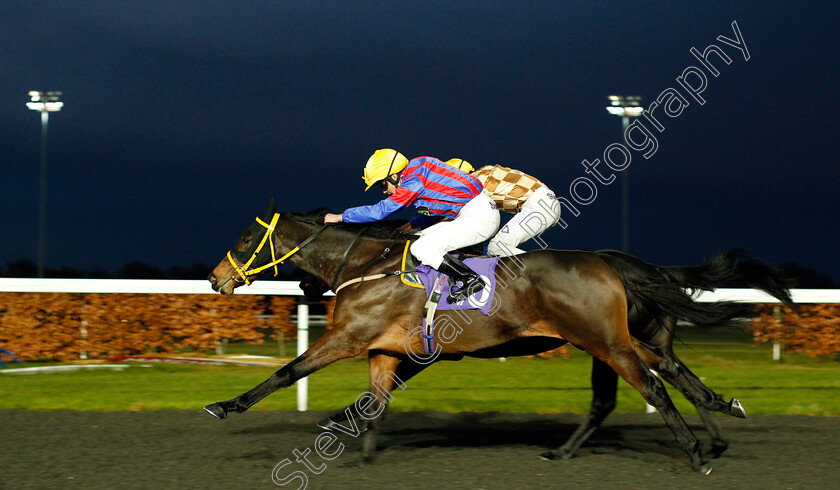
x,y
371,257
323,256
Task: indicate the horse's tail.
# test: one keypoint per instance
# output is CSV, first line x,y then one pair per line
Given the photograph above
x,y
657,293
734,266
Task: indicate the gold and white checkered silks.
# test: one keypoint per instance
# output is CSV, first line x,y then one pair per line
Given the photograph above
x,y
508,187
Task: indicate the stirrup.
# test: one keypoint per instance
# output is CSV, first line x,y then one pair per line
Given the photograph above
x,y
470,287
458,271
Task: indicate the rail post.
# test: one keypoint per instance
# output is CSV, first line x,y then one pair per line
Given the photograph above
x,y
302,345
777,346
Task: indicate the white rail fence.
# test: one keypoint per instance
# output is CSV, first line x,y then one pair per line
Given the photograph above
x,y
290,288
166,286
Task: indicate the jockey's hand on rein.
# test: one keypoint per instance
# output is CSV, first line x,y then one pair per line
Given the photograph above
x,y
332,218
406,228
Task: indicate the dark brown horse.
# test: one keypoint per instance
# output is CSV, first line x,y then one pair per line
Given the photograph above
x,y
655,334
547,298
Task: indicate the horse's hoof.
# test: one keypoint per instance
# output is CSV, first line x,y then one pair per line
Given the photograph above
x,y
368,452
718,448
565,453
216,410
549,456
326,424
704,469
329,423
736,410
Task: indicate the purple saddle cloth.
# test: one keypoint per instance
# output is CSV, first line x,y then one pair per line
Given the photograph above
x,y
482,300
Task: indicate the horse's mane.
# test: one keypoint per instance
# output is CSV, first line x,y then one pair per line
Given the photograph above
x,y
378,229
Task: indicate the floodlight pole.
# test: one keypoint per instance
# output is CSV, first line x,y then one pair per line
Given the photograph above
x,y
42,207
43,102
625,197
626,107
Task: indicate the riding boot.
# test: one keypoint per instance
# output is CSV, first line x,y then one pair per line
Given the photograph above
x,y
458,271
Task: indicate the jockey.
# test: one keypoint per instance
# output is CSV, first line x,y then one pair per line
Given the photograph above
x,y
436,189
534,205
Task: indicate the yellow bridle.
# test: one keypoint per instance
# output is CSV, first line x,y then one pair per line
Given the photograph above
x,y
244,271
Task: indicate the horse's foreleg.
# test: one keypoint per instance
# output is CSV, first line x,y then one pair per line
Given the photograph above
x,y
383,379
332,346
386,374
604,388
406,369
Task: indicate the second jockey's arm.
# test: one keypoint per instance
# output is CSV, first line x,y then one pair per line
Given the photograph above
x,y
405,228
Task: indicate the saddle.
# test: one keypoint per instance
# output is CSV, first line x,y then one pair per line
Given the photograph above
x,y
409,264
436,284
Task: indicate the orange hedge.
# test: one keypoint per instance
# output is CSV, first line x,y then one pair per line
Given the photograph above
x,y
61,326
815,330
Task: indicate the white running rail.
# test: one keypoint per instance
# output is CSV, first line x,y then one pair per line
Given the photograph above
x,y
290,288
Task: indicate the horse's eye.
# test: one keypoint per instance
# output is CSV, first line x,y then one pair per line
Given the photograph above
x,y
246,240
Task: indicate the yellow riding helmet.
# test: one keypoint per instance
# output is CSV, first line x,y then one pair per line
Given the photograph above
x,y
461,164
382,164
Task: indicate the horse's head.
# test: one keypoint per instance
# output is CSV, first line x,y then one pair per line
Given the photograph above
x,y
252,254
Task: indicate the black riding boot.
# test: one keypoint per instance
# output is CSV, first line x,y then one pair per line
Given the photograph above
x,y
458,271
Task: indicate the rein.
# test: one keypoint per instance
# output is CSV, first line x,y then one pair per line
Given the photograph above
x,y
244,270
344,257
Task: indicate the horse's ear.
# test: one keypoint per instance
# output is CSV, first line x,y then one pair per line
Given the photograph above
x,y
269,211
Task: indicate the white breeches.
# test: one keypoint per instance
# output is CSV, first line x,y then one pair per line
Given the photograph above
x,y
540,212
476,222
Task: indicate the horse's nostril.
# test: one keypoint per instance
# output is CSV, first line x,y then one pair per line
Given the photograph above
x,y
211,278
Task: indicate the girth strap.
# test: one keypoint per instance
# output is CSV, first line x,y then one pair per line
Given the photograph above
x,y
381,257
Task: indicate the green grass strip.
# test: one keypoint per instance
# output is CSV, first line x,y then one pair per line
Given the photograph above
x,y
799,385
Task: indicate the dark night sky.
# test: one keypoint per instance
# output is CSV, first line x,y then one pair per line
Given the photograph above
x,y
182,118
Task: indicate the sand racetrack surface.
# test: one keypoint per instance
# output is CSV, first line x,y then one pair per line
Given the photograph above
x,y
190,449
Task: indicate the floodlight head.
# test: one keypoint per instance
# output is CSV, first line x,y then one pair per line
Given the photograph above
x,y
44,101
621,105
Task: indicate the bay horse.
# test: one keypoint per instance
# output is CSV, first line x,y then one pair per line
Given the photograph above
x,y
645,325
549,298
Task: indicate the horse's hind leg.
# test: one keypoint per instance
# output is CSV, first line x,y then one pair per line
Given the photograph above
x,y
629,366
334,345
604,388
719,443
672,370
666,363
